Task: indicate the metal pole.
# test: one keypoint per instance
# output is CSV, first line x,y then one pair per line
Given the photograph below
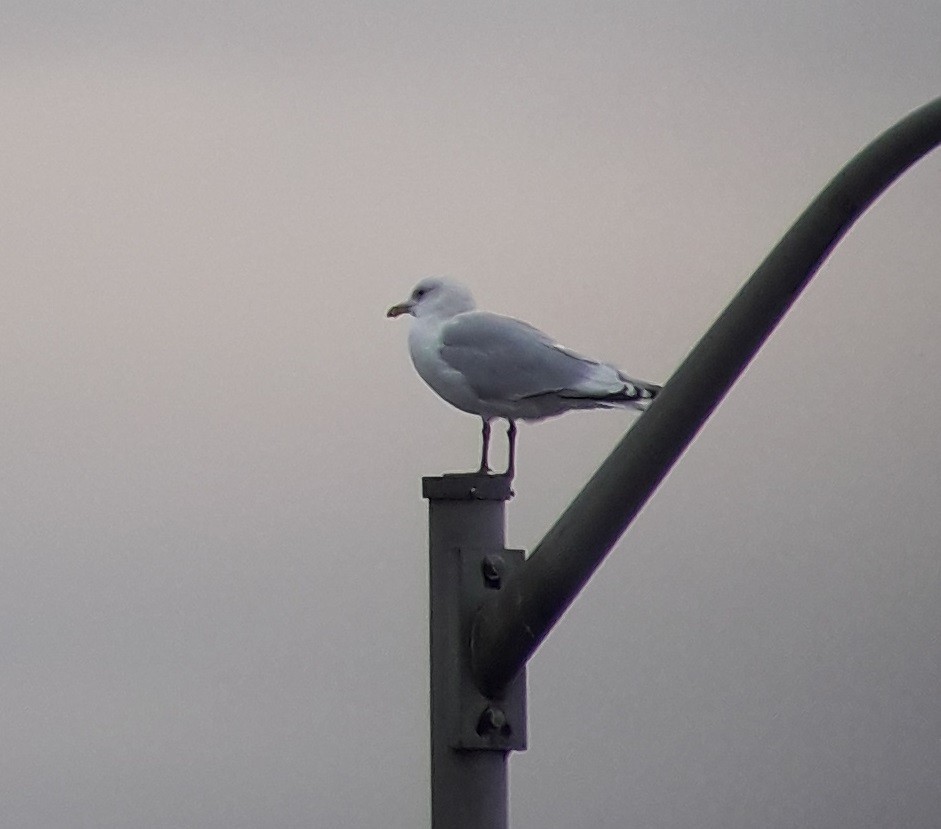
x,y
509,628
471,734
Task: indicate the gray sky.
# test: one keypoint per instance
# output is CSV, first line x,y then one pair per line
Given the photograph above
x,y
213,605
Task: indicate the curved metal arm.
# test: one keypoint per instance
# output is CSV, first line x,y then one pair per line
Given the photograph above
x,y
508,629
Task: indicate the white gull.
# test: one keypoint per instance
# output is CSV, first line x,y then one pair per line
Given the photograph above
x,y
494,366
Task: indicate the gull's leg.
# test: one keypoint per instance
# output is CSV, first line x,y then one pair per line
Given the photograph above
x,y
485,449
511,448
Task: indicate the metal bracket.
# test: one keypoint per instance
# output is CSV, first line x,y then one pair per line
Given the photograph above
x,y
486,723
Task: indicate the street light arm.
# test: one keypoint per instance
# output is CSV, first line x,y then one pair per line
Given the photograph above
x,y
509,628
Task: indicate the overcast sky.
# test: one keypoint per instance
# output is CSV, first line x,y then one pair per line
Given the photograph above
x,y
213,582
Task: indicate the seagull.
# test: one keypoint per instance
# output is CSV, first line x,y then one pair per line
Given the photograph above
x,y
494,366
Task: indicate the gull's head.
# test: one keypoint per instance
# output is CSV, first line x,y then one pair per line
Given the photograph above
x,y
435,296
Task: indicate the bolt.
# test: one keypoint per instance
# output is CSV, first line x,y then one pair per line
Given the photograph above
x,y
493,722
492,568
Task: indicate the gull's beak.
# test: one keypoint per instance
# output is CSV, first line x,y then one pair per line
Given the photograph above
x,y
398,310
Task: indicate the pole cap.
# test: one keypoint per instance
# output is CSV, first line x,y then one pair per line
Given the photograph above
x,y
467,486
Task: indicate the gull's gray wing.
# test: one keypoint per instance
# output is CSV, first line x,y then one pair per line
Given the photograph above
x,y
505,359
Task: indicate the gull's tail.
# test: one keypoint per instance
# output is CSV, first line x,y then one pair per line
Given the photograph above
x,y
635,393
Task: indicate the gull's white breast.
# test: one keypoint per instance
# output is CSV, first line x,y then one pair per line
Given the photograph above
x,y
424,345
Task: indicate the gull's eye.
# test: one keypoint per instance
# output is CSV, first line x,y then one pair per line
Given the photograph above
x,y
419,293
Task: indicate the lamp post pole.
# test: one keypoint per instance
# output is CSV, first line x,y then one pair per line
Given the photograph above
x,y
490,609
471,733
